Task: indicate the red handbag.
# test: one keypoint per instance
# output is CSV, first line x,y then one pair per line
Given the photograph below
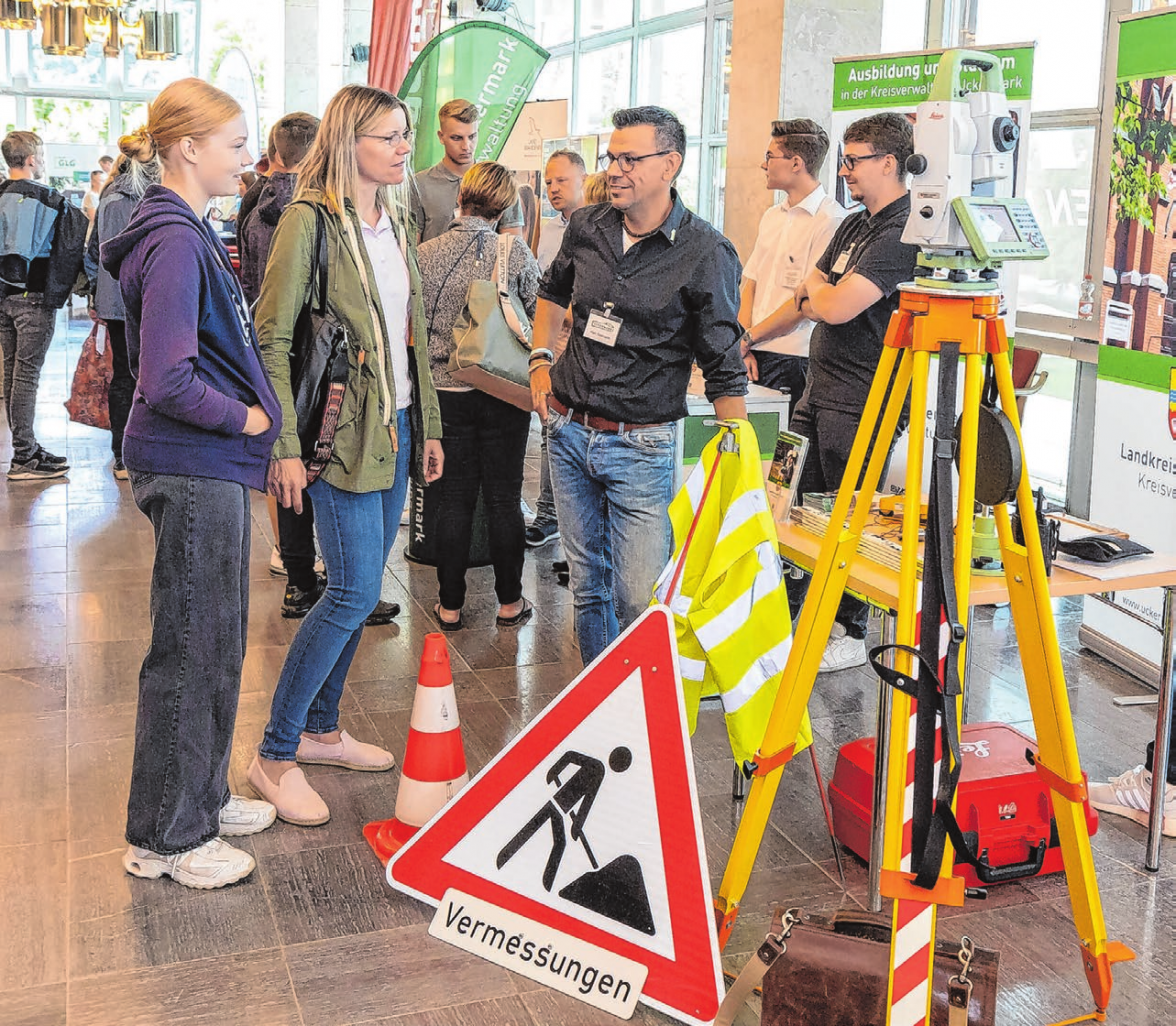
x,y
88,401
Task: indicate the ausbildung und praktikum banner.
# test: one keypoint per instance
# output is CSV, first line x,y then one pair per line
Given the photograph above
x,y
1133,478
491,65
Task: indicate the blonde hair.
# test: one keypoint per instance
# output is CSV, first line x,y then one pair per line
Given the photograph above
x,y
187,109
458,110
486,190
330,167
596,188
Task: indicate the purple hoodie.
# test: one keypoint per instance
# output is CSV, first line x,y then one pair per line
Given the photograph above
x,y
199,368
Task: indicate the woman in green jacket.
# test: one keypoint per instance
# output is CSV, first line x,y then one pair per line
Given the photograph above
x,y
354,172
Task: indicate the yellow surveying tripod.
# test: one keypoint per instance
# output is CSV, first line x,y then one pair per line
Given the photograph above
x,y
948,324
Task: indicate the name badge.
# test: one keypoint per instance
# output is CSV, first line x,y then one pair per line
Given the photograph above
x,y
842,263
603,327
791,277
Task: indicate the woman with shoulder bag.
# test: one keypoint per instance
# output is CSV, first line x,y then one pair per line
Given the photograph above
x,y
349,188
201,427
485,437
116,202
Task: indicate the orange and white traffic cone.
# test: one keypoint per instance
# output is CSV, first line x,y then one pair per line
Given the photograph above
x,y
434,766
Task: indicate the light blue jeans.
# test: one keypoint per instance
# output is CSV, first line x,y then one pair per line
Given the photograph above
x,y
355,532
612,494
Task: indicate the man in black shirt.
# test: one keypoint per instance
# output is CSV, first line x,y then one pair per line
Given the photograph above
x,y
652,289
851,296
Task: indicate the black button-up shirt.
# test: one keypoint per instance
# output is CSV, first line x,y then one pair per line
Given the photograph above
x,y
677,294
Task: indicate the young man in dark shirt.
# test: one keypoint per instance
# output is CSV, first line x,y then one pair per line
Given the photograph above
x,y
42,242
653,288
851,295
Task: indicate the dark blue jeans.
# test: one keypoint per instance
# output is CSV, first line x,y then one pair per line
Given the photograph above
x,y
191,676
355,532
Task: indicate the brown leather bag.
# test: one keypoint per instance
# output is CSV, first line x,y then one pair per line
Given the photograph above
x,y
836,973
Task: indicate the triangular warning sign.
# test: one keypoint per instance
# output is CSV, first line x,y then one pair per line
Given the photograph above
x,y
588,823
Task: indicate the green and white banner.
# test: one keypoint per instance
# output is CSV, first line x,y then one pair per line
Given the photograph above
x,y
904,80
1133,477
491,65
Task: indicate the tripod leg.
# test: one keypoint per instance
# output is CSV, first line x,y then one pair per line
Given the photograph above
x,y
816,622
1057,760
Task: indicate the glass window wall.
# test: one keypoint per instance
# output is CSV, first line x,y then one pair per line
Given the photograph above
x,y
670,72
603,86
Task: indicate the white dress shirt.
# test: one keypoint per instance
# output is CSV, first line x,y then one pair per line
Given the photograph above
x,y
787,247
550,239
393,285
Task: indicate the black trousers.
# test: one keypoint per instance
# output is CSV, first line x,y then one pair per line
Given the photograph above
x,y
830,434
121,392
296,543
485,443
782,372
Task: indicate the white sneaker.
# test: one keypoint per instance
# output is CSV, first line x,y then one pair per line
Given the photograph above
x,y
214,864
1129,794
528,513
842,652
242,816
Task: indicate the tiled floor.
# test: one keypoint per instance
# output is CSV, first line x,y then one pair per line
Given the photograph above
x,y
315,937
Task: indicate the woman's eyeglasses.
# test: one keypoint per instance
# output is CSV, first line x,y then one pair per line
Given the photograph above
x,y
393,140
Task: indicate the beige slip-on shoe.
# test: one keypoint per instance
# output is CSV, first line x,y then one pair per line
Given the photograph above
x,y
347,752
294,799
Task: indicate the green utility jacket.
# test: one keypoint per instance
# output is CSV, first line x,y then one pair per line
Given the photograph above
x,y
363,459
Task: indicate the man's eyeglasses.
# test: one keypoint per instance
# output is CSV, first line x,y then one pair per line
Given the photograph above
x,y
770,156
627,161
393,140
849,161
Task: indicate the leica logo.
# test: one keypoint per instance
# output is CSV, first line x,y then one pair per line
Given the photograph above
x,y
935,115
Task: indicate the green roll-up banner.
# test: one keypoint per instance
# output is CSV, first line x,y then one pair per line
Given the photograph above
x,y
486,63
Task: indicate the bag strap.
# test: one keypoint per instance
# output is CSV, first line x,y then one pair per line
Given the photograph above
x,y
502,276
933,822
318,260
753,973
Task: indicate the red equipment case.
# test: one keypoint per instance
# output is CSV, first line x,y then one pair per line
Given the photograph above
x,y
1000,799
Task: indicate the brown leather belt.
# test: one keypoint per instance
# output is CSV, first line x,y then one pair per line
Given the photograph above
x,y
594,422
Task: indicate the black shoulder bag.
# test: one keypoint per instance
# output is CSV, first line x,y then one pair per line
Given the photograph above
x,y
318,364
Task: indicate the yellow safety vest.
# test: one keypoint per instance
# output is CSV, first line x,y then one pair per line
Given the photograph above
x,y
730,608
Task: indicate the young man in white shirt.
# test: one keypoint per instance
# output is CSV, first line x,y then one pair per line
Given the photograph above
x,y
792,236
90,199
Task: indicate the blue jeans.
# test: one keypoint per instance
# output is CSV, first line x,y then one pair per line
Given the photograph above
x,y
612,494
191,675
356,531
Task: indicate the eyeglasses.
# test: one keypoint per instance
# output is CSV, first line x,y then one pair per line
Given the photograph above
x,y
627,161
849,161
393,140
770,156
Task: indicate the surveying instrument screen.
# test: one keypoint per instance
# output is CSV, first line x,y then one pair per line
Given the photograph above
x,y
1000,228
